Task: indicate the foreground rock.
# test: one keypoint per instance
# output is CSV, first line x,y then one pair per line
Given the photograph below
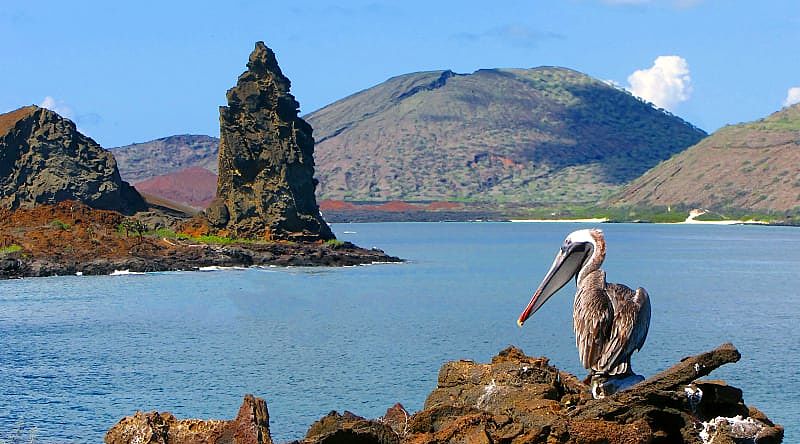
x,y
45,160
251,426
521,399
524,399
71,238
266,179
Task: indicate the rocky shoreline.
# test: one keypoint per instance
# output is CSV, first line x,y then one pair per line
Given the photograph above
x,y
193,257
70,238
514,399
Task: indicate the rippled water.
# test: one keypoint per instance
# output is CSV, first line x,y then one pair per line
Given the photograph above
x,y
78,353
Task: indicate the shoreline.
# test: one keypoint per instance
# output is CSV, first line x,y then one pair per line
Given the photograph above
x,y
199,258
588,221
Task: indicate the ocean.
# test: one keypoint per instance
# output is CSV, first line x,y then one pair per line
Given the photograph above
x,y
79,353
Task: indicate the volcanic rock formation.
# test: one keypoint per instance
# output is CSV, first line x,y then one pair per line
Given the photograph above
x,y
266,166
251,426
44,159
520,399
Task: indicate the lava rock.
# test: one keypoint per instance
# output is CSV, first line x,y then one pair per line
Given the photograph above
x,y
251,426
266,166
349,428
44,159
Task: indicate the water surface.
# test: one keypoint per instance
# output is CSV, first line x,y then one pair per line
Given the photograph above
x,y
78,353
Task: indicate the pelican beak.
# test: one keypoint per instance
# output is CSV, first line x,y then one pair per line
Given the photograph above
x,y
567,263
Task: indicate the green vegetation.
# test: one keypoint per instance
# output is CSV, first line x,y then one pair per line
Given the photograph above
x,y
164,233
59,224
217,240
13,248
657,214
131,226
611,214
334,243
205,239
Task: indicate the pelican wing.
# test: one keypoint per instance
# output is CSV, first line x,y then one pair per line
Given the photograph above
x,y
629,329
592,320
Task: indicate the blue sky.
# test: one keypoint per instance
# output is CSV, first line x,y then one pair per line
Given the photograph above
x,y
134,71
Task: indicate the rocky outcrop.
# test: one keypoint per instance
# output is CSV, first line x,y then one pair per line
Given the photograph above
x,y
45,160
519,399
251,426
71,238
266,166
349,428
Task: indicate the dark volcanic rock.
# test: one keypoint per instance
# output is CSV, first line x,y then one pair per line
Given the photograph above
x,y
349,428
70,237
266,166
44,159
518,399
251,426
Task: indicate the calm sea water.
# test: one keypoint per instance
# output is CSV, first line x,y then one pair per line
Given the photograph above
x,y
79,353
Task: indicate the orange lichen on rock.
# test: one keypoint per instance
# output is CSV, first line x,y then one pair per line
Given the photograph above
x,y
251,426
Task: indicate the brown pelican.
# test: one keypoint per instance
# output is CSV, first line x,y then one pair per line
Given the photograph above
x,y
610,320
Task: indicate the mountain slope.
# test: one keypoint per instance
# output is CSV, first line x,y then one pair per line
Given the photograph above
x,y
141,161
542,135
193,186
750,166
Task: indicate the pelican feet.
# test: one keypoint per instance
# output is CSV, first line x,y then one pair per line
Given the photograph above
x,y
604,385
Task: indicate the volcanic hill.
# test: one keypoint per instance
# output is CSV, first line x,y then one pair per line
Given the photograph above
x,y
142,161
751,166
530,136
523,136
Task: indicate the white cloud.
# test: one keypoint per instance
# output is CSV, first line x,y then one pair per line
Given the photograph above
x,y
666,84
57,106
792,96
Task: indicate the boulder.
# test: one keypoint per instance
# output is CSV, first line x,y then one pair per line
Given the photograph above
x,y
44,159
521,399
349,428
266,179
251,426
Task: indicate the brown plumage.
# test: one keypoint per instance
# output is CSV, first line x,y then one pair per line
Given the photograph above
x,y
610,320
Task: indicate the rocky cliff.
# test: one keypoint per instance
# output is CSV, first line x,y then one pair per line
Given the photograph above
x,y
519,399
44,160
266,166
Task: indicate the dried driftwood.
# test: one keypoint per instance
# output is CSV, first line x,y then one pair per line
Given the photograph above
x,y
681,374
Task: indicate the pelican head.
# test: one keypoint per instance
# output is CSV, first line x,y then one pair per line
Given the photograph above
x,y
576,251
